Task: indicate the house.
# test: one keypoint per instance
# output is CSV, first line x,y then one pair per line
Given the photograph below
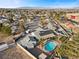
x,y
3,19
29,41
14,29
31,25
43,33
70,25
73,16
46,34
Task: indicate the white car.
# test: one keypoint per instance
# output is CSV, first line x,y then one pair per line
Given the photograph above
x,y
27,31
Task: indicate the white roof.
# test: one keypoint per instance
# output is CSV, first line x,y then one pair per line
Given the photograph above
x,y
1,21
3,47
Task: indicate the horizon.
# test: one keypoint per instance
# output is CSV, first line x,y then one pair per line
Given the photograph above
x,y
39,3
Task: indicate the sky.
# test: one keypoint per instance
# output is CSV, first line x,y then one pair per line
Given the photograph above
x,y
39,3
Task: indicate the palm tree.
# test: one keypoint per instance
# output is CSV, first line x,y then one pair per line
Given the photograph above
x,y
41,42
69,48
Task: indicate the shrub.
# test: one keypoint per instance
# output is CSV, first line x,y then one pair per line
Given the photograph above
x,y
6,29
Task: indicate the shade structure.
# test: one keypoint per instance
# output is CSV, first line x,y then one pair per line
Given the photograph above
x,y
50,46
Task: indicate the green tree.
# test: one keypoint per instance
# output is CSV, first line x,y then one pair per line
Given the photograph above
x,y
6,29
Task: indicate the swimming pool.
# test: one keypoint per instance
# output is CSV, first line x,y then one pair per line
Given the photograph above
x,y
50,45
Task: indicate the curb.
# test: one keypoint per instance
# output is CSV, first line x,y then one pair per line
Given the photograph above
x,y
26,51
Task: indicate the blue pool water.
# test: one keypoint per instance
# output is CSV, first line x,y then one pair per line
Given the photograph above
x,y
50,46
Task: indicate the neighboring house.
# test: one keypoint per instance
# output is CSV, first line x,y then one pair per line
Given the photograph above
x,y
2,19
31,26
73,16
14,29
14,26
70,25
3,46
